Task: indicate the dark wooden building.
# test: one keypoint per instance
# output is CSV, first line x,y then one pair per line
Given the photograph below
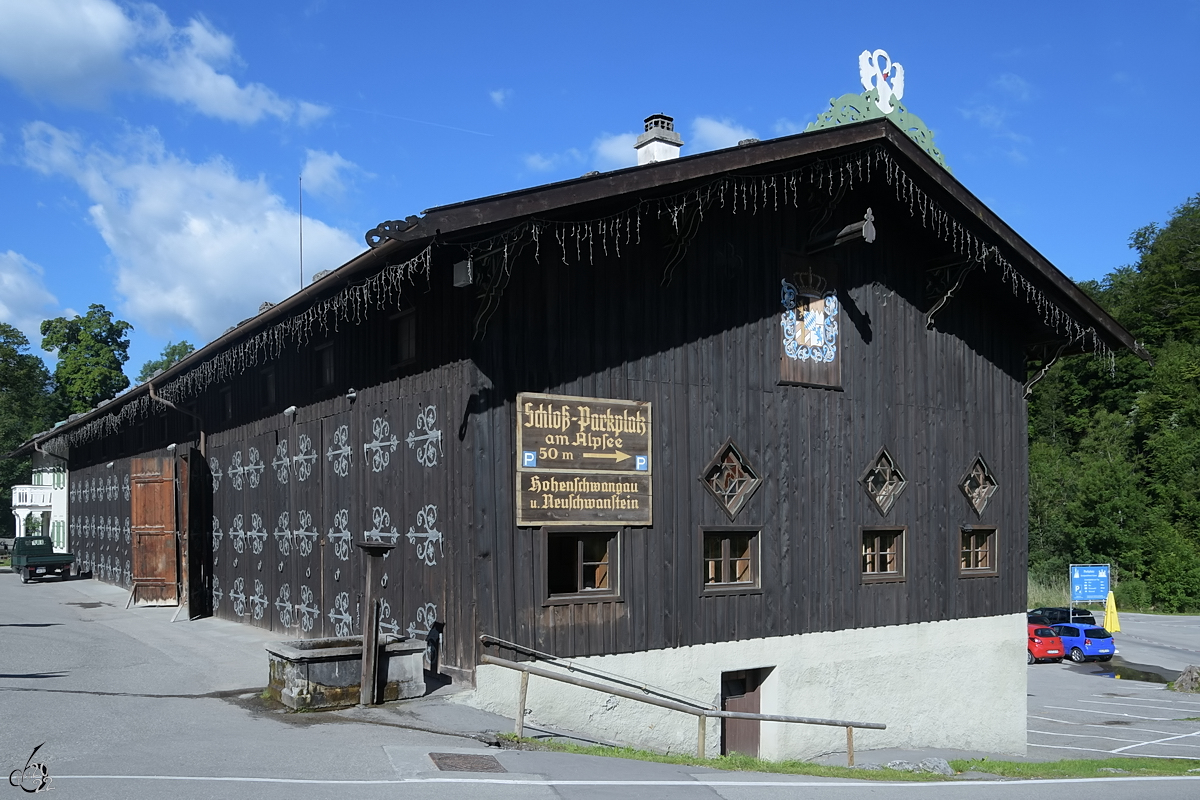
x,y
829,341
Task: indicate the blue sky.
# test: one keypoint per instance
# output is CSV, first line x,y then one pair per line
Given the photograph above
x,y
150,153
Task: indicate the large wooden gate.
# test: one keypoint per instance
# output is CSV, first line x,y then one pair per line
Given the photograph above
x,y
155,532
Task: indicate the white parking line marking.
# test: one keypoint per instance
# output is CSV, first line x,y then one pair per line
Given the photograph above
x,y
1160,741
1109,713
724,784
1086,736
1128,705
1094,750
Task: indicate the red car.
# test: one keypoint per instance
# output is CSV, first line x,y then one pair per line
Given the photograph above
x,y
1044,645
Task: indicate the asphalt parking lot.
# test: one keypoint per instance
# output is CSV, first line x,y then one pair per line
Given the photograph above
x,y
1122,708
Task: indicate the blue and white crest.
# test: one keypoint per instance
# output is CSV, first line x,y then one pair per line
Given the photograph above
x,y
810,326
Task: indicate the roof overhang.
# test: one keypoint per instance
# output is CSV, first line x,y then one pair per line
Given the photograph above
x,y
477,218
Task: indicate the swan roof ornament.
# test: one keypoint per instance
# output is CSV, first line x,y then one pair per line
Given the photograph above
x,y
883,81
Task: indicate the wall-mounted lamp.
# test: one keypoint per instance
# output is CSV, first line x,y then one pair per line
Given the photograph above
x,y
289,412
110,464
171,447
350,395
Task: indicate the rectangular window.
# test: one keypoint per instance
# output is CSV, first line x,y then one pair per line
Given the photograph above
x,y
882,554
978,554
730,558
323,365
581,564
267,387
402,338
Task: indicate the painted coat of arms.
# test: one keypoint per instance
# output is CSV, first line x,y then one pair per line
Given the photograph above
x,y
810,325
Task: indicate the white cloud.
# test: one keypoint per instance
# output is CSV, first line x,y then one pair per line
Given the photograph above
x,y
614,151
500,97
714,134
78,51
24,299
325,174
537,162
70,50
786,127
196,246
1014,86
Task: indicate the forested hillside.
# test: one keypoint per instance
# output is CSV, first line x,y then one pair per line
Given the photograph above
x,y
1115,445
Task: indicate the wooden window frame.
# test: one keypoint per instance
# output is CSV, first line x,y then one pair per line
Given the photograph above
x,y
396,362
319,373
753,586
900,573
268,389
993,539
610,595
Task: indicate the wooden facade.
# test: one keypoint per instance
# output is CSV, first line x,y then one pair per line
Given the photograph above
x,y
400,424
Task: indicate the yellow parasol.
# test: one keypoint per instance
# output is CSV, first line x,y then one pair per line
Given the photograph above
x,y
1111,623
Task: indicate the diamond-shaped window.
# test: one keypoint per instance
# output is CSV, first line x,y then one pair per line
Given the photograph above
x,y
978,485
883,481
729,479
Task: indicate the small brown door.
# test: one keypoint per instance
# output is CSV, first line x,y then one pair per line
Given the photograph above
x,y
740,691
155,536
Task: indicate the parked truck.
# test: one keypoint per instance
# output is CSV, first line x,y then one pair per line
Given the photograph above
x,y
34,557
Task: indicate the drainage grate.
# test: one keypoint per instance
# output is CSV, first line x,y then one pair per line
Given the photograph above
x,y
461,762
1116,722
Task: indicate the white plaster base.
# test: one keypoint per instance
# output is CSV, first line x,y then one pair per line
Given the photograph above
x,y
954,684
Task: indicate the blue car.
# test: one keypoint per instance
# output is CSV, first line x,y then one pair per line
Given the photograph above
x,y
1086,643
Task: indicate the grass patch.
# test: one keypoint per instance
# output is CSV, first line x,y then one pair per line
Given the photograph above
x,y
734,763
1140,767
1079,768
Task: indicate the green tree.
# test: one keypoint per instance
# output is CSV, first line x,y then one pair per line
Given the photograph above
x,y
91,351
170,354
27,406
1114,456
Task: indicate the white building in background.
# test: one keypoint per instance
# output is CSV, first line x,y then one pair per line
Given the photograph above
x,y
43,502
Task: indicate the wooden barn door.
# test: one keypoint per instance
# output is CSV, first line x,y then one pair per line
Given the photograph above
x,y
155,536
741,691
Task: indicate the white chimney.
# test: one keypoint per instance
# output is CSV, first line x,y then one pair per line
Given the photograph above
x,y
660,142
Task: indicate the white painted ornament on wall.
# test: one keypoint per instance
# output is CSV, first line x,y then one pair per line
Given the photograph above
x,y
307,608
382,446
303,461
386,621
282,462
305,535
424,442
426,617
283,534
283,606
214,466
235,471
340,536
339,452
258,601
383,529
254,468
257,534
879,72
238,595
339,615
236,535
426,519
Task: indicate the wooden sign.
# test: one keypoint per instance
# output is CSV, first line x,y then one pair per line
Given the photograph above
x,y
583,461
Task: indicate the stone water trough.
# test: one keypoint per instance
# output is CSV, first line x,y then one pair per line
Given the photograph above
x,y
325,673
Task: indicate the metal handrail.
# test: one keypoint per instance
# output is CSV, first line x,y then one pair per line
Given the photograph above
x,y
595,672
700,713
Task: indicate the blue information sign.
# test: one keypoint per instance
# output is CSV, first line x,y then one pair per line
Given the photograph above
x,y
1089,582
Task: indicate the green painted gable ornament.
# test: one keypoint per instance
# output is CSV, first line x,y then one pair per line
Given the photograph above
x,y
883,80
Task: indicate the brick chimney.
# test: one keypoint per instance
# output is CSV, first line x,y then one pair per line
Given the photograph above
x,y
660,142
